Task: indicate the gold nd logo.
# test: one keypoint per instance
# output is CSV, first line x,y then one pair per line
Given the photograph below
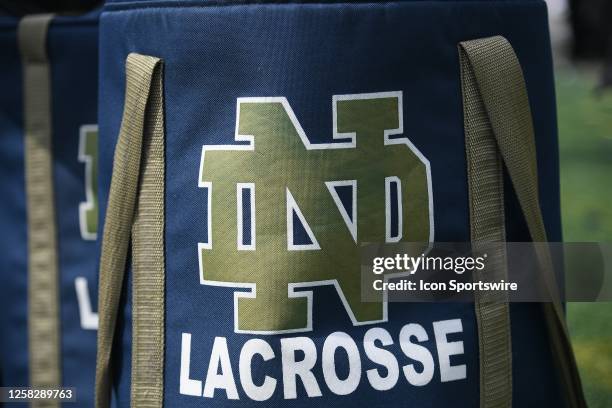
x,y
88,154
285,214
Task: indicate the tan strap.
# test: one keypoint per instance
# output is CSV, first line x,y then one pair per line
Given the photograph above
x,y
148,261
43,277
486,203
135,210
501,87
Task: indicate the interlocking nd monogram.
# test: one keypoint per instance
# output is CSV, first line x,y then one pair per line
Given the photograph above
x,y
286,214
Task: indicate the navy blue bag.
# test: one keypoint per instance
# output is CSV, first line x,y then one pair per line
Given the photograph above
x,y
66,98
254,105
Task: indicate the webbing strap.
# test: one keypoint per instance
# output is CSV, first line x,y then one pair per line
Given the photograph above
x,y
148,262
486,203
43,279
497,77
136,210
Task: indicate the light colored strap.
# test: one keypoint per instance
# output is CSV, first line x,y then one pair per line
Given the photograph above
x,y
148,259
486,201
136,209
43,279
501,87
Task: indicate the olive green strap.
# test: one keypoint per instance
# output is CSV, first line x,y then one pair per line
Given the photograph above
x,y
43,279
486,203
148,259
500,87
135,211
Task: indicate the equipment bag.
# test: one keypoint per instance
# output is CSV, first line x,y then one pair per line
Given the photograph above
x,y
254,146
49,214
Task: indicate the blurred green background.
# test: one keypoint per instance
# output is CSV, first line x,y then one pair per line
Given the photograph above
x,y
585,143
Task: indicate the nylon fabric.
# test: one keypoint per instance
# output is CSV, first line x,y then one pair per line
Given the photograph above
x,y
486,199
121,211
148,257
43,275
501,86
71,54
283,50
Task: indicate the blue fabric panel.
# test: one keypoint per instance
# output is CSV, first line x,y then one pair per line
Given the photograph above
x,y
214,53
73,54
125,4
13,239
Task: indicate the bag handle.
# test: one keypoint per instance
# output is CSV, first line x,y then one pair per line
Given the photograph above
x,y
135,215
494,87
43,275
487,224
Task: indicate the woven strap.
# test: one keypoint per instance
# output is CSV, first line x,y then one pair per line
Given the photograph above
x,y
486,193
43,279
494,87
135,215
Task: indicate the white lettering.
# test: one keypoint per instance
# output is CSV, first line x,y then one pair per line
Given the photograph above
x,y
187,385
303,369
256,392
219,356
89,319
380,356
340,368
447,349
333,342
418,353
